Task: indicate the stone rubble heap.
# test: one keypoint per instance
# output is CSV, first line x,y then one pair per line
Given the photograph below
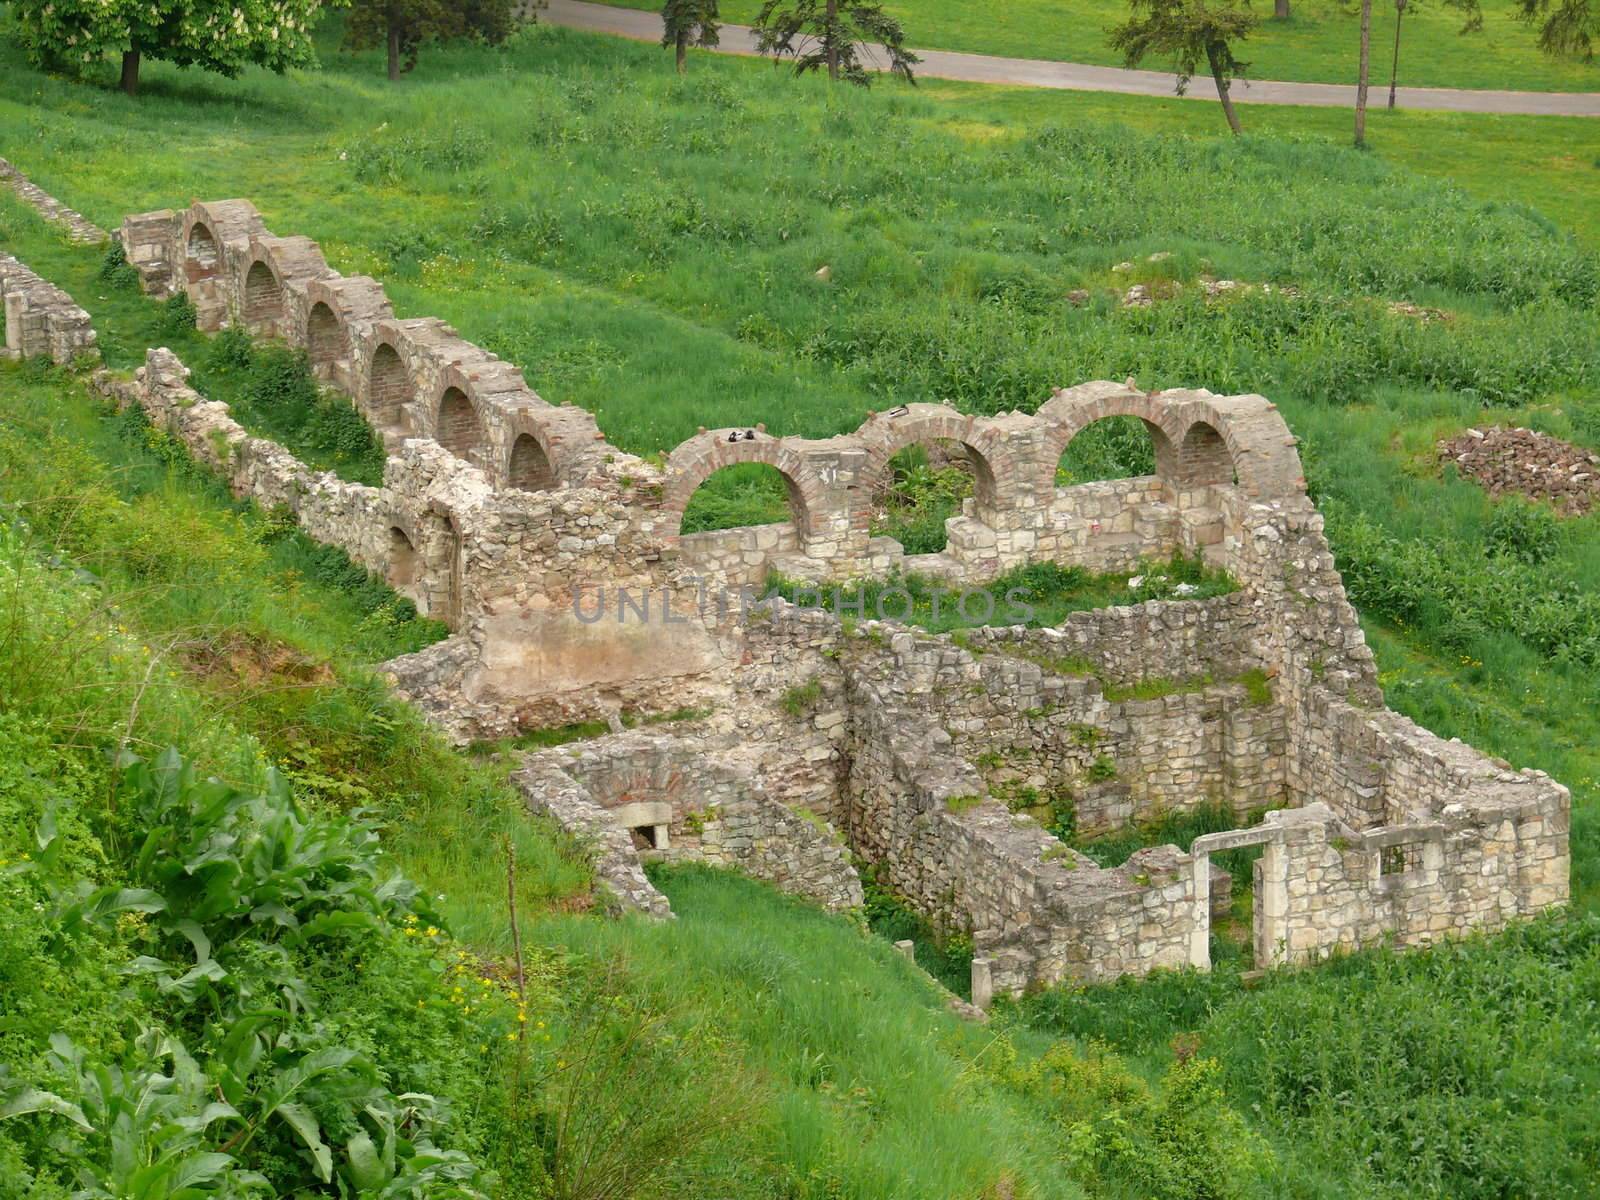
x,y
1522,462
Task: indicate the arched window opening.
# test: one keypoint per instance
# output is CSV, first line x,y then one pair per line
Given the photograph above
x,y
741,495
456,427
402,559
1111,448
203,255
388,388
923,487
325,340
263,297
1204,459
530,467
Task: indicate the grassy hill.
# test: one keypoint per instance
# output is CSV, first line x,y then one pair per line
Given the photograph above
x,y
646,247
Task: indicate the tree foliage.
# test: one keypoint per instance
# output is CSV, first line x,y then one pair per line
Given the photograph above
x,y
686,23
404,26
838,35
216,35
1188,32
1565,26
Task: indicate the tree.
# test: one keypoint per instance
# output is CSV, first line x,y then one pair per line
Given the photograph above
x,y
1188,31
1280,9
224,36
403,26
833,34
1565,26
1363,74
1474,16
686,23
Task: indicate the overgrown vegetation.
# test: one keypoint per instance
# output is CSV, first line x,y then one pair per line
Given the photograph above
x,y
1039,594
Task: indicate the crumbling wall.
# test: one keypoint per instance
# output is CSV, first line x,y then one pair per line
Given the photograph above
x,y
39,319
1038,911
700,806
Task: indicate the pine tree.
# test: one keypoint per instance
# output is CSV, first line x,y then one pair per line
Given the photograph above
x,y
686,23
1189,32
833,34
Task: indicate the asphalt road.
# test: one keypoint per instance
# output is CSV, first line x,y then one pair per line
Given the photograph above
x,y
1030,72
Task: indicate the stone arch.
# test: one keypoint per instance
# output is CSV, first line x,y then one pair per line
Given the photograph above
x,y
1162,450
456,424
1069,413
702,456
262,305
202,254
388,386
529,466
887,434
326,339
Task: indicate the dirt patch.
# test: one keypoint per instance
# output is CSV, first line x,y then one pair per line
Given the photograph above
x,y
239,659
1526,463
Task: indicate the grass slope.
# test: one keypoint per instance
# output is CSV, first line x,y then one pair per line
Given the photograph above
x,y
646,246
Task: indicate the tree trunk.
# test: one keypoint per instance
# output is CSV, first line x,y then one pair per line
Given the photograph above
x,y
394,52
683,48
1280,9
130,72
1394,67
1222,89
1366,70
831,34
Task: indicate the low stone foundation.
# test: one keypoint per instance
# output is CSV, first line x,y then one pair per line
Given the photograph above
x,y
40,320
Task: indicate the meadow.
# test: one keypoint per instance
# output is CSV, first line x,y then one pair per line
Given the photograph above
x,y
647,247
1317,43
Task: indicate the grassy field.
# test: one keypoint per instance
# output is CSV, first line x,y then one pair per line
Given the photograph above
x,y
1317,44
646,247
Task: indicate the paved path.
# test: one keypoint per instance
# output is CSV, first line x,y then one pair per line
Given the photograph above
x,y
985,68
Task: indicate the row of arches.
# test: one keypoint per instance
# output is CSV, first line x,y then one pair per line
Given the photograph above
x,y
1010,468
373,367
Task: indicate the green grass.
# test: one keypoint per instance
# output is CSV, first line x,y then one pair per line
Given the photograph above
x,y
1318,43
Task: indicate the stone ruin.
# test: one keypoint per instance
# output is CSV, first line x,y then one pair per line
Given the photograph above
x,y
801,745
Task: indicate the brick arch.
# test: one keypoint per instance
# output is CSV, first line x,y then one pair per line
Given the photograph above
x,y
1203,457
456,420
530,466
703,455
202,253
385,386
326,338
262,301
1261,454
883,435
